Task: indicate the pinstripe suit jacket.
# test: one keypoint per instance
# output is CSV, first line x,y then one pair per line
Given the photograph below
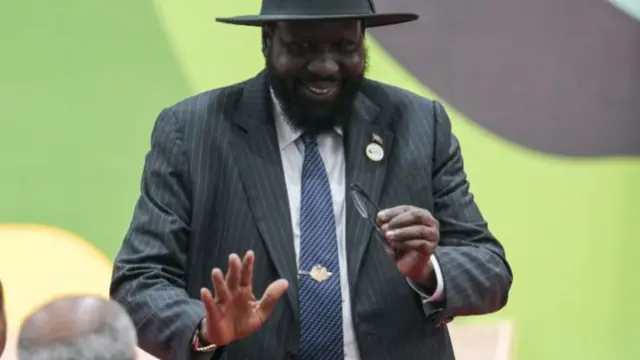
x,y
213,185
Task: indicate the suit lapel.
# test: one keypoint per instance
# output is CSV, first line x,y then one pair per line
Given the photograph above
x,y
369,120
261,170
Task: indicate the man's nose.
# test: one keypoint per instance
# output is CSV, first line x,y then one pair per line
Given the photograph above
x,y
324,66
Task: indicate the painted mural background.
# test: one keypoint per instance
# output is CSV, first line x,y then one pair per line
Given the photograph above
x,y
544,96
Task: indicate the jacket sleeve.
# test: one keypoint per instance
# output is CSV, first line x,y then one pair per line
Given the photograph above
x,y
476,275
149,271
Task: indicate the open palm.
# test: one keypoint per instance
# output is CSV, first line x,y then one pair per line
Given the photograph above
x,y
235,313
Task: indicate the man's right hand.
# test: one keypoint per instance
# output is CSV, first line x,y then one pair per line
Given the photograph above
x,y
235,313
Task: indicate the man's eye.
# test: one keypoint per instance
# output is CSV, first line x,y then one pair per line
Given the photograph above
x,y
347,46
300,47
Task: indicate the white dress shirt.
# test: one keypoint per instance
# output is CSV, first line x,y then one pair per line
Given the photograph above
x,y
331,149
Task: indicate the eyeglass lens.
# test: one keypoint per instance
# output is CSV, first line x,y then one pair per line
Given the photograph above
x,y
368,210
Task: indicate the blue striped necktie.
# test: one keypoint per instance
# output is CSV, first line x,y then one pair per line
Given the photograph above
x,y
320,301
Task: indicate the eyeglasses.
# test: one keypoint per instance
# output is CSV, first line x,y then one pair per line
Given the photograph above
x,y
368,210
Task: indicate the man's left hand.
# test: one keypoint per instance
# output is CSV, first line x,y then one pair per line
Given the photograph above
x,y
413,234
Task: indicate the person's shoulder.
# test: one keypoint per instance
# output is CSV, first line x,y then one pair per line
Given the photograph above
x,y
386,94
208,102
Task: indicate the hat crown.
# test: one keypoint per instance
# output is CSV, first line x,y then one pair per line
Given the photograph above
x,y
317,7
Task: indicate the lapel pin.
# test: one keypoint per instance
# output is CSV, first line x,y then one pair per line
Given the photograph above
x,y
374,152
376,138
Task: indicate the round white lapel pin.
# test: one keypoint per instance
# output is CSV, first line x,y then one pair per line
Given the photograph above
x,y
375,152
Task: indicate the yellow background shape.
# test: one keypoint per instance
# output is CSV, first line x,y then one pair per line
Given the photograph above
x,y
39,263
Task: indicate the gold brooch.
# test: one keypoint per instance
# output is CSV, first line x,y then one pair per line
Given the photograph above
x,y
318,273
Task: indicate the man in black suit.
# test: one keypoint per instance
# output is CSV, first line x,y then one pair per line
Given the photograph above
x,y
267,168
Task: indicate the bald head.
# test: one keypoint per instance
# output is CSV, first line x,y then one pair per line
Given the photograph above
x,y
78,327
3,321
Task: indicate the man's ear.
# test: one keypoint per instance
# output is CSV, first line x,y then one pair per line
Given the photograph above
x,y
267,39
265,46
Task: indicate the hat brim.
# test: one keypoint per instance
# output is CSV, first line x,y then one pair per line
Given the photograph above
x,y
371,20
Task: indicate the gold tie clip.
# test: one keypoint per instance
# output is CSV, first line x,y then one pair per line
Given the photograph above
x,y
318,273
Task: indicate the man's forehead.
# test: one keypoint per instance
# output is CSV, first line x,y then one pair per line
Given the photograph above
x,y
312,27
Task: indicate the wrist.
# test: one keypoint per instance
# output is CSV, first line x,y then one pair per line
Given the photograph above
x,y
203,336
200,342
428,279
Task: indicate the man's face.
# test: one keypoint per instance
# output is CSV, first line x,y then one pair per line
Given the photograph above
x,y
315,70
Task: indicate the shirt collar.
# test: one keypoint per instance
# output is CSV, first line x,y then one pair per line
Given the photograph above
x,y
287,133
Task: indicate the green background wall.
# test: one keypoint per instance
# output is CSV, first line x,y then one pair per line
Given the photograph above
x,y
82,82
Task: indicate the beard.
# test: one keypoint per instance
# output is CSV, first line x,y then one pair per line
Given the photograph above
x,y
307,115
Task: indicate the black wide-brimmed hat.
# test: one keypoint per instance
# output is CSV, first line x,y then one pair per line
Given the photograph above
x,y
295,10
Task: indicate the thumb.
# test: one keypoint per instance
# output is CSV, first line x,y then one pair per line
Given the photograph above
x,y
271,296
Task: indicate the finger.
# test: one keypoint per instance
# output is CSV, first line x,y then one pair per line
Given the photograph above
x,y
380,235
393,253
407,262
412,217
233,273
220,286
213,312
387,214
412,232
270,298
246,277
423,247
